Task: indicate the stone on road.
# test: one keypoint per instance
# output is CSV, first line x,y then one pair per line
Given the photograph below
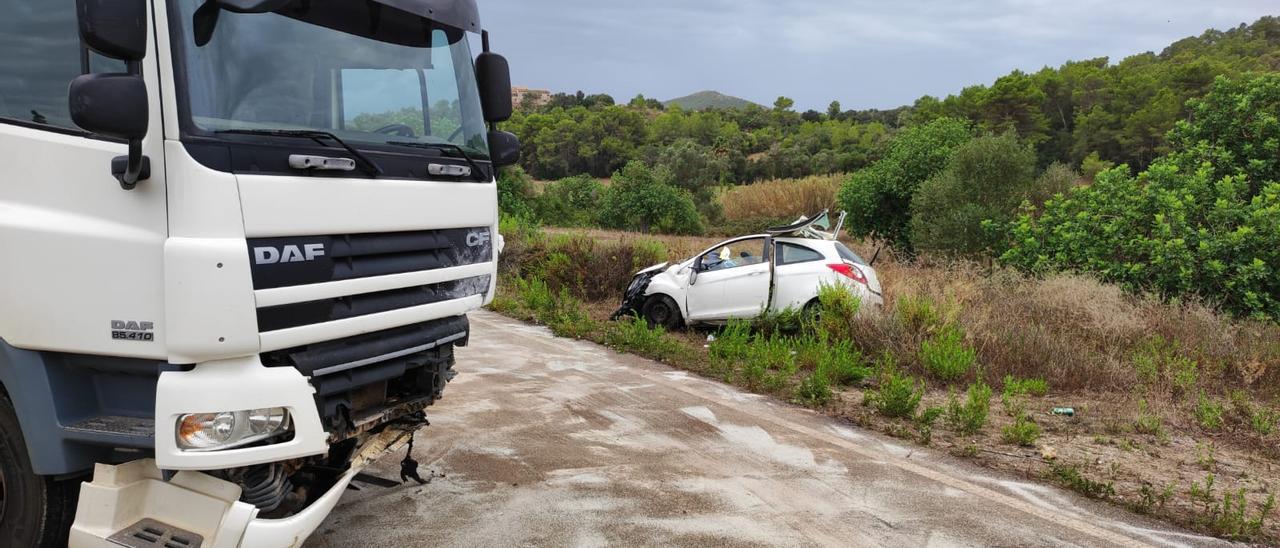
x,y
553,442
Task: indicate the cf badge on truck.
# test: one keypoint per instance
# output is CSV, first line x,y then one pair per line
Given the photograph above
x,y
129,330
477,238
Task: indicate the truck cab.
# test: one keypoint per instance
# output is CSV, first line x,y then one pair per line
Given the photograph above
x,y
240,240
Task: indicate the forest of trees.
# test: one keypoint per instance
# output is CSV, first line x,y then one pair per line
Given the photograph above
x,y
1091,110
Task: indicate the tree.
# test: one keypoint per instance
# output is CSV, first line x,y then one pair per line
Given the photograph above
x,y
985,180
833,110
697,169
1201,221
572,201
640,200
783,103
878,198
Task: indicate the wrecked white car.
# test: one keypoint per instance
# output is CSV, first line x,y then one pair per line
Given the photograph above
x,y
742,277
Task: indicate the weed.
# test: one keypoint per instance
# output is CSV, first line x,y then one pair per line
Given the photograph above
x,y
843,364
1208,413
1261,419
814,390
1023,431
1231,517
946,356
1205,456
637,337
772,323
921,313
1158,361
898,394
1149,499
536,297
1147,422
969,418
838,308
1071,477
1013,397
924,423
732,343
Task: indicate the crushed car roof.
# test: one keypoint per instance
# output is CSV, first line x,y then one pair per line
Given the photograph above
x,y
817,227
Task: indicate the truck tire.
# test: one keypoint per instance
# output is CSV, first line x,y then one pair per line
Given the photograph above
x,y
34,510
661,311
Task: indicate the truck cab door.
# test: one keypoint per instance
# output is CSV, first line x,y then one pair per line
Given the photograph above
x,y
732,281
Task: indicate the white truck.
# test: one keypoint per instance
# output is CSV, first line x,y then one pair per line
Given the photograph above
x,y
239,242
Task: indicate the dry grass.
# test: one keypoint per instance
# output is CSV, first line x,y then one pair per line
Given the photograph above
x,y
781,198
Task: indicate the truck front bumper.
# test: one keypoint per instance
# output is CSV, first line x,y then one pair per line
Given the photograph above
x,y
197,506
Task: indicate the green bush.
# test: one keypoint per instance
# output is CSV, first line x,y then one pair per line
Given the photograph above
x,y
814,390
969,417
897,395
985,180
732,343
842,363
1022,432
946,356
573,201
924,423
1203,221
1093,164
838,307
1208,413
878,198
640,199
515,192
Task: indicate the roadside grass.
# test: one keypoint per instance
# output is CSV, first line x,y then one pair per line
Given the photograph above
x,y
1150,383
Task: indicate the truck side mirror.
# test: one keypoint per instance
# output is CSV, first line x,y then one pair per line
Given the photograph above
x,y
115,105
504,148
113,28
494,76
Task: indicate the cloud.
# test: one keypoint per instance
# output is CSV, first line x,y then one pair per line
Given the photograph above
x,y
866,53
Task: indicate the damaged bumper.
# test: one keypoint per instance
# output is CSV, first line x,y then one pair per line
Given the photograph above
x,y
633,298
132,502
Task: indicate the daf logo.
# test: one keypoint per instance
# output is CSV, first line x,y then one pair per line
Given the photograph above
x,y
287,254
477,239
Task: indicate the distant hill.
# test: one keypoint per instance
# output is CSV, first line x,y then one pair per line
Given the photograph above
x,y
708,99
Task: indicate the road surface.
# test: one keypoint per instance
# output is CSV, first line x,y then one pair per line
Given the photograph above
x,y
543,441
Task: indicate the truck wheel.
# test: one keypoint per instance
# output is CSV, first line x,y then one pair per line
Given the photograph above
x,y
34,510
663,312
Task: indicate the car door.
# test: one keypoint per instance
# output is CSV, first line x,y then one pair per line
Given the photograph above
x,y
732,281
798,271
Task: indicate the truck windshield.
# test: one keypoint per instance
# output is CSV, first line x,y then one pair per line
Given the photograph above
x,y
359,70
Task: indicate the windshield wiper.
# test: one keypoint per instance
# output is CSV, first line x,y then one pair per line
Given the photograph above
x,y
475,168
369,166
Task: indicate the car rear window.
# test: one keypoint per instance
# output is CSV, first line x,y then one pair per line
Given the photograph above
x,y
848,254
793,254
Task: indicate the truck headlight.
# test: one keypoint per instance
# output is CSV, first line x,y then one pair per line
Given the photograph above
x,y
230,429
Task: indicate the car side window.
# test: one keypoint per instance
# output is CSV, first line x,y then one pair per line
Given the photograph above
x,y
795,254
40,54
733,255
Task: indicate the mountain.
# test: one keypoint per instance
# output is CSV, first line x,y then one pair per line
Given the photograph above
x,y
703,100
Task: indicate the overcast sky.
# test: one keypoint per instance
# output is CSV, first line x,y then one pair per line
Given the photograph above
x,y
864,53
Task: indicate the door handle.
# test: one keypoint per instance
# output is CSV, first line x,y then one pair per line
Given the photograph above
x,y
755,274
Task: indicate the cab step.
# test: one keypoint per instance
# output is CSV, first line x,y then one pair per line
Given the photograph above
x,y
150,533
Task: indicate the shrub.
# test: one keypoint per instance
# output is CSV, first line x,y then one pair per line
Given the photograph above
x,y
640,199
922,314
1093,165
1022,432
814,390
1147,422
1071,477
732,343
1161,362
1198,222
986,179
1056,179
924,423
573,201
838,307
515,192
1208,413
898,394
878,198
1260,419
946,356
842,363
969,417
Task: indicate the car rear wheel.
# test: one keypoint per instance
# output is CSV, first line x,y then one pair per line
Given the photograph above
x,y
34,510
812,312
662,311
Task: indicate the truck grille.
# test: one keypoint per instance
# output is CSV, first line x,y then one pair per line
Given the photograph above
x,y
273,318
303,260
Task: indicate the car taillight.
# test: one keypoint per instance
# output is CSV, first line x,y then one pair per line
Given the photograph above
x,y
849,271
